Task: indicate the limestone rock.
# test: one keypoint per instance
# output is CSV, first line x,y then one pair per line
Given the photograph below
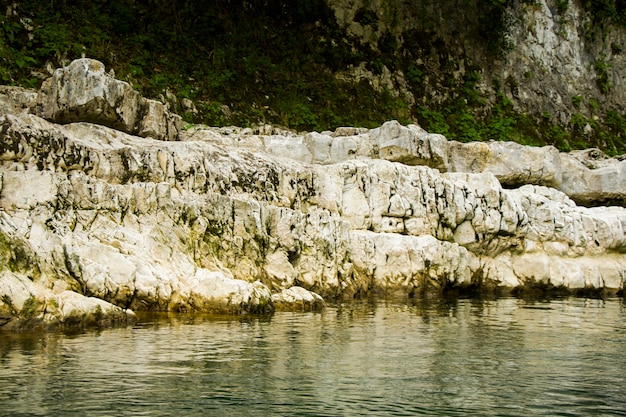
x,y
413,265
298,299
590,178
551,68
83,91
157,122
588,181
76,309
410,145
26,304
17,100
513,164
96,222
215,292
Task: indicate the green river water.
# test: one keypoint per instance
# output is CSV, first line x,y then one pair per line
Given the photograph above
x,y
503,357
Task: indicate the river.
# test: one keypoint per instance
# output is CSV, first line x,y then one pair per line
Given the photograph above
x,y
503,357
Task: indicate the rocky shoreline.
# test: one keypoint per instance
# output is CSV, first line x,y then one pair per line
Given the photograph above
x,y
109,205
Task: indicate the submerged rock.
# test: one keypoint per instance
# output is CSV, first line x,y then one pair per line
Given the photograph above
x,y
97,221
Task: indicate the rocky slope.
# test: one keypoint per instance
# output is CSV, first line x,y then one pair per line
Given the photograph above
x,y
109,206
557,60
541,72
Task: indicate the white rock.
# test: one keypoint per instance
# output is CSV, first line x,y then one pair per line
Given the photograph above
x,y
226,217
17,100
591,181
298,298
76,309
25,190
511,163
83,91
410,145
408,264
279,270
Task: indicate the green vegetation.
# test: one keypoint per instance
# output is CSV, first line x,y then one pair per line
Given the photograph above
x,y
7,301
562,6
28,310
17,256
602,72
604,12
246,62
266,61
98,314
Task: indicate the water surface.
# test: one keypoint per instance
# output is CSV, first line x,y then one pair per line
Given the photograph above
x,y
506,357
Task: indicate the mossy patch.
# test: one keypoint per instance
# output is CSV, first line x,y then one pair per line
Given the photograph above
x,y
16,255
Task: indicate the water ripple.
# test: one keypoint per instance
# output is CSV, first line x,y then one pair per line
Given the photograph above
x,y
463,358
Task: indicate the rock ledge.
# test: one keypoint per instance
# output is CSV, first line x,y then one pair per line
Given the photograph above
x,y
107,206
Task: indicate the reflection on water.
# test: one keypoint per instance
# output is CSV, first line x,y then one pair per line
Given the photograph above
x,y
466,357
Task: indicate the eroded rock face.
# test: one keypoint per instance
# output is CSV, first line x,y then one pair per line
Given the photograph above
x,y
588,177
551,53
96,222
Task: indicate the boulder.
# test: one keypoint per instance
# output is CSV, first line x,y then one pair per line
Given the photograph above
x,y
298,299
410,145
214,291
84,92
157,122
512,164
591,178
75,309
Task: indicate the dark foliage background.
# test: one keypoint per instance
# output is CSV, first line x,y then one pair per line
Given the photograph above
x,y
246,62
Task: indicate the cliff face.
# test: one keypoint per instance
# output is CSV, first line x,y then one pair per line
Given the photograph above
x,y
551,60
97,221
